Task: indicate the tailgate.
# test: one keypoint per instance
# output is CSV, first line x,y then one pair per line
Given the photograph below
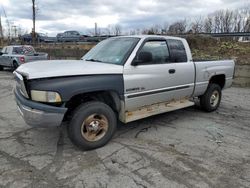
x,y
36,57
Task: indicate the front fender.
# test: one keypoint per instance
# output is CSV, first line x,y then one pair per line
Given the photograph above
x,y
70,86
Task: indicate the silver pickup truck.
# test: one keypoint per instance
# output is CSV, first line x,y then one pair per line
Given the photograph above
x,y
121,79
14,56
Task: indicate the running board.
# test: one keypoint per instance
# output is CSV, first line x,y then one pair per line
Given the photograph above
x,y
158,108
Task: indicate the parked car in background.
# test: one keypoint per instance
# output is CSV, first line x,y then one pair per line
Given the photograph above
x,y
40,37
13,56
59,35
70,36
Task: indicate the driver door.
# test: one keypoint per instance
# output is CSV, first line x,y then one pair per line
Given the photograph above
x,y
150,82
163,73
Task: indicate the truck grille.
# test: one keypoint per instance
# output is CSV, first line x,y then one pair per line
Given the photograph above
x,y
20,84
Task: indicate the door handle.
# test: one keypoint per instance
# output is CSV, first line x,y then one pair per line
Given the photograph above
x,y
171,71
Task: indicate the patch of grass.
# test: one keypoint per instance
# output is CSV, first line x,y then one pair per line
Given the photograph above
x,y
204,48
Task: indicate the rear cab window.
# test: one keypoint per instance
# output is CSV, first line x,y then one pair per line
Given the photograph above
x,y
165,51
177,51
27,50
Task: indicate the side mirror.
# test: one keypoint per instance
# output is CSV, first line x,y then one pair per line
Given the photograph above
x,y
142,58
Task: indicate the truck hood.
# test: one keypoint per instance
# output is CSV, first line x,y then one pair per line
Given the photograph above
x,y
58,68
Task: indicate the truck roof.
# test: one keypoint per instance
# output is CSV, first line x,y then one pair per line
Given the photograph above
x,y
153,36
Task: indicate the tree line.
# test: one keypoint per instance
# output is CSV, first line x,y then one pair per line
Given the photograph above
x,y
221,21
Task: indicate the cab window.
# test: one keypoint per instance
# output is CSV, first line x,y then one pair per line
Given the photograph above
x,y
8,50
177,51
158,50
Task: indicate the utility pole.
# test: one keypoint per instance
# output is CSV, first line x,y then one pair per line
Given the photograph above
x,y
1,28
15,30
95,29
1,31
34,21
8,24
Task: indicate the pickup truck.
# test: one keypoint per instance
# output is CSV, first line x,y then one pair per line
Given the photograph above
x,y
13,56
121,79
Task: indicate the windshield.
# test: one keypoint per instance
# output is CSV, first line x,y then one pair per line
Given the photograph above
x,y
42,34
113,50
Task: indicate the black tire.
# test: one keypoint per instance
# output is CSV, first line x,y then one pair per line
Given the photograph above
x,y
82,114
15,65
1,68
210,101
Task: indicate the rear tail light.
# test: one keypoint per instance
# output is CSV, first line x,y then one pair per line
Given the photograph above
x,y
22,59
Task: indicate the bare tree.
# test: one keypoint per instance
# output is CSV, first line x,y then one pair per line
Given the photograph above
x,y
178,27
153,30
208,25
165,27
132,32
144,31
227,21
246,19
218,16
108,30
247,25
237,21
197,25
117,29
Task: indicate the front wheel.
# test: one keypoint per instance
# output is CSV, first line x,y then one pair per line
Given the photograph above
x,y
93,125
210,101
15,65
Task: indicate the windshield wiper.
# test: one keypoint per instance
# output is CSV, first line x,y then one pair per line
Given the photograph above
x,y
94,60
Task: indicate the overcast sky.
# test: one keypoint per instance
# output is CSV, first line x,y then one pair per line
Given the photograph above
x,y
59,15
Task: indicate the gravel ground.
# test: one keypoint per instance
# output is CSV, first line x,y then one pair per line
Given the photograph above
x,y
185,148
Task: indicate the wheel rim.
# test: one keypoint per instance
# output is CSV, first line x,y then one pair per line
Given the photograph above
x,y
214,99
94,127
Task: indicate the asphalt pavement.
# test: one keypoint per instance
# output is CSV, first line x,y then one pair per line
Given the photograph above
x,y
184,148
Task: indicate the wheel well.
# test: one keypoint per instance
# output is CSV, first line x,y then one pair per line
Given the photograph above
x,y
218,79
110,98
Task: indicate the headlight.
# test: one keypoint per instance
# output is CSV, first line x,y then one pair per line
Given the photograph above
x,y
45,96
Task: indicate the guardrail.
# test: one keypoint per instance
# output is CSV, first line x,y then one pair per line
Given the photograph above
x,y
232,34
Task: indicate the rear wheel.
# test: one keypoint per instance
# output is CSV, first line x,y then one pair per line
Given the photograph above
x,y
93,125
210,101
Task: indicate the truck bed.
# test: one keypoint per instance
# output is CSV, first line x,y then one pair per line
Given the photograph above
x,y
206,69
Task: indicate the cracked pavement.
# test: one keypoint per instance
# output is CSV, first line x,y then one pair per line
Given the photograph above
x,y
184,148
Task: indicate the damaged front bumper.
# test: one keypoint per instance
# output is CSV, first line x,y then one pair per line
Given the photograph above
x,y
37,114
